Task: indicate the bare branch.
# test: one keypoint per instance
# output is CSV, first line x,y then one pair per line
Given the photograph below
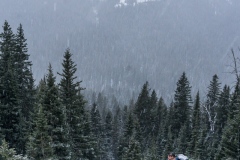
x,y
211,120
235,65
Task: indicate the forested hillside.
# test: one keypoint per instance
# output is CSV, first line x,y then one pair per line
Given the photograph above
x,y
118,48
52,120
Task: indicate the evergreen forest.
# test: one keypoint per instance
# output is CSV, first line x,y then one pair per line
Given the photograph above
x,y
53,120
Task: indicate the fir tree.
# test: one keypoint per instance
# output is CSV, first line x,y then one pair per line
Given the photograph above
x,y
195,131
152,114
200,150
133,152
108,139
235,101
212,102
55,117
230,145
9,153
142,110
117,130
211,107
76,116
10,117
160,116
169,145
223,110
39,146
97,127
182,100
25,86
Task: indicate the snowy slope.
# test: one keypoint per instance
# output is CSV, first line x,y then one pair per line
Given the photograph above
x,y
119,48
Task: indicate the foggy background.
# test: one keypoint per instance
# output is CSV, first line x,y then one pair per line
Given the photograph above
x,y
119,45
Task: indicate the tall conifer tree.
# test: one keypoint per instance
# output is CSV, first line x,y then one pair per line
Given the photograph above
x,y
55,117
195,131
182,100
10,117
39,145
77,120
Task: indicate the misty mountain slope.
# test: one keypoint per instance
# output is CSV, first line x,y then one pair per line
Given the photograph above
x,y
122,47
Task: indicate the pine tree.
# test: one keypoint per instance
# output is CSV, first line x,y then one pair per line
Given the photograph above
x,y
39,146
24,73
152,114
76,117
195,131
10,117
212,102
211,106
102,104
9,153
200,149
183,139
108,139
142,109
223,110
169,145
55,117
117,130
235,101
160,116
182,100
162,125
133,152
25,87
97,127
230,145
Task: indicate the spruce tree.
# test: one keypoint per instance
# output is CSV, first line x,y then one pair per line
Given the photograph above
x,y
10,117
160,116
195,131
97,128
162,125
182,100
152,114
117,130
230,145
39,146
142,110
55,117
24,73
212,102
133,151
223,109
235,101
108,137
170,143
25,86
211,106
76,116
200,149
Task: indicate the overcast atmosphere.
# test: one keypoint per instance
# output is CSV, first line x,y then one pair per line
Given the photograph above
x,y
120,80
122,44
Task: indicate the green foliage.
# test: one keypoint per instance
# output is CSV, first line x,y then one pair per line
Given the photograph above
x,y
108,136
16,87
182,100
133,151
195,131
230,145
80,142
55,123
40,142
55,117
9,153
223,109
